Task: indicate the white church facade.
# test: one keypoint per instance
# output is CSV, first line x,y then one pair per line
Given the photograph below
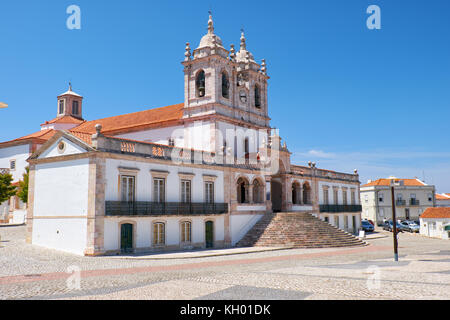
x,y
199,174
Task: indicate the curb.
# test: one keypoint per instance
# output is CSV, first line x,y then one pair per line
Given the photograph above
x,y
12,225
194,257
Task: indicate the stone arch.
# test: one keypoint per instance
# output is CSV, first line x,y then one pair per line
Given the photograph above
x,y
225,84
242,186
257,96
307,193
296,192
276,195
258,190
200,83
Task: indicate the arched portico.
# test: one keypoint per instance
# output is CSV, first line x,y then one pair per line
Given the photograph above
x,y
276,191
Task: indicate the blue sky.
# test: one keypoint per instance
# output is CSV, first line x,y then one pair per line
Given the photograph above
x,y
342,95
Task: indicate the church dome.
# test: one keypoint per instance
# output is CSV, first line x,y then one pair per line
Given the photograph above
x,y
210,39
243,55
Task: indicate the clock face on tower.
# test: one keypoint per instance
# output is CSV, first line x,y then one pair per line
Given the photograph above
x,y
243,96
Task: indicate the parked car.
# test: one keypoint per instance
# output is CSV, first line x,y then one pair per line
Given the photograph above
x,y
389,226
367,226
412,226
404,225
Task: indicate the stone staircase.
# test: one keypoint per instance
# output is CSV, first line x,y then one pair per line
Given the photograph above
x,y
296,230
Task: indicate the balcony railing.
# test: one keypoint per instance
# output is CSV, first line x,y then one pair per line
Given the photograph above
x,y
340,208
146,208
414,202
399,202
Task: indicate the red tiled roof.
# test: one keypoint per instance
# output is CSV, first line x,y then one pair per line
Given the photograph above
x,y
86,137
127,122
387,182
442,196
436,213
64,119
40,136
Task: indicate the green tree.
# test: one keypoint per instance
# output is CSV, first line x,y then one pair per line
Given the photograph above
x,y
6,189
22,193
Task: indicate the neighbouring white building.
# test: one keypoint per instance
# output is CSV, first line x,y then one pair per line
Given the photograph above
x,y
198,174
435,223
443,200
412,198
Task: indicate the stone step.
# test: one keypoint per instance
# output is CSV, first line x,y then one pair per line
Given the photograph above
x,y
299,230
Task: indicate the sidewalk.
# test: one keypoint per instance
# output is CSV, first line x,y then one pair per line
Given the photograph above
x,y
374,235
195,253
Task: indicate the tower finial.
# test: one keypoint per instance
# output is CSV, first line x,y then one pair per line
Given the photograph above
x,y
70,86
243,45
210,23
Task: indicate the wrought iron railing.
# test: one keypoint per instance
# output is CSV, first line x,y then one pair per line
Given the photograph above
x,y
340,208
400,202
147,208
414,202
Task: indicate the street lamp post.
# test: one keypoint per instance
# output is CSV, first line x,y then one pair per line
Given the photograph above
x,y
394,221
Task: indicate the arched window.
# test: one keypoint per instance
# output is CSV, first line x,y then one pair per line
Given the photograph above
x,y
225,85
185,231
159,233
258,192
296,193
200,84
257,97
306,193
242,190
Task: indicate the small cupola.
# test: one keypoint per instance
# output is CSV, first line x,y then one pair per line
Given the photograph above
x,y
70,104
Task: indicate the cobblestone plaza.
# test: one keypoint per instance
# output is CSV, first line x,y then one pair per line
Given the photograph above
x,y
423,272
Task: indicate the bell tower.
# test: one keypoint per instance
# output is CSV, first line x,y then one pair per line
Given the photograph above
x,y
208,74
226,82
70,104
225,97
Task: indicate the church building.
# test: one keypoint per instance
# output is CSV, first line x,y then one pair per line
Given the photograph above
x,y
205,173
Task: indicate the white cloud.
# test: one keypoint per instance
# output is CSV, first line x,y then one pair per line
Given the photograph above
x,y
318,154
433,167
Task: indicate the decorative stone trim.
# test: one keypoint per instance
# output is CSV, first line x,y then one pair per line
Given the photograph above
x,y
186,175
208,177
128,171
152,230
134,224
61,147
159,174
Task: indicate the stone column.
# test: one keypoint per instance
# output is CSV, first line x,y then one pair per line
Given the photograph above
x,y
96,207
284,193
267,188
250,193
31,185
228,191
